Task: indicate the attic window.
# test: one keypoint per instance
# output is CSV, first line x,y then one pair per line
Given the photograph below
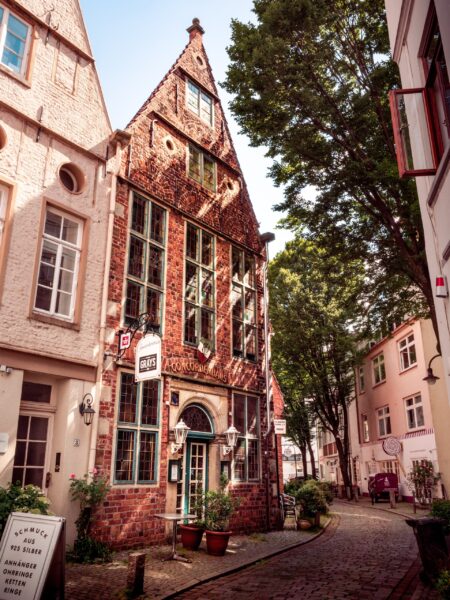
x,y
199,103
72,178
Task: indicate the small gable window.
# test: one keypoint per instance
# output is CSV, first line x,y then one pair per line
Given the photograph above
x,y
202,168
14,41
199,103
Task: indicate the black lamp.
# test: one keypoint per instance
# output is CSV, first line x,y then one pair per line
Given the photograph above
x,y
86,410
431,378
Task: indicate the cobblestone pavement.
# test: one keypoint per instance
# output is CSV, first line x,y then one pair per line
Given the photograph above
x,y
162,579
362,555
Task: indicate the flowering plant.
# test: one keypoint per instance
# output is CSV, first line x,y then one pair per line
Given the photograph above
x,y
28,499
90,490
422,479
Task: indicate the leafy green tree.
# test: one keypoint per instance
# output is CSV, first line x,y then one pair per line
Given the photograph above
x,y
313,311
310,82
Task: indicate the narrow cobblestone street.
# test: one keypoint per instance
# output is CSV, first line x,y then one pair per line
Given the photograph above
x,y
362,555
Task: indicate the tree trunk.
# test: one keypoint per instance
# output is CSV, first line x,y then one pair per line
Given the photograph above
x,y
313,461
344,467
304,461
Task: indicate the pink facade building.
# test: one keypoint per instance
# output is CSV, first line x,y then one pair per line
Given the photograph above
x,y
392,400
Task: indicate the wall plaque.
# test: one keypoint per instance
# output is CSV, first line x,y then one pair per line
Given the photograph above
x,y
29,547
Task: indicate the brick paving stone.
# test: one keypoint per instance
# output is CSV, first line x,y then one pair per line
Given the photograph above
x,y
363,554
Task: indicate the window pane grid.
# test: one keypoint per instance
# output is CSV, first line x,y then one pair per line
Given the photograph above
x,y
199,102
136,446
202,168
246,452
146,255
243,299
13,40
199,292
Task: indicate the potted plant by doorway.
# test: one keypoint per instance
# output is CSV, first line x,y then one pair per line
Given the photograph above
x,y
219,506
192,533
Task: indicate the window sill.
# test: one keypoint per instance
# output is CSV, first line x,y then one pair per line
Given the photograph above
x,y
55,321
20,78
408,369
375,385
383,437
416,429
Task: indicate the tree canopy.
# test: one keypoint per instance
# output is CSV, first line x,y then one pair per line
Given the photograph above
x,y
312,308
310,82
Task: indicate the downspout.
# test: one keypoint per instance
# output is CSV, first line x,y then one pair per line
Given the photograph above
x,y
265,239
121,138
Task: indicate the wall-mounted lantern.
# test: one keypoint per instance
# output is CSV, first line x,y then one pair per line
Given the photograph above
x,y
86,410
232,434
181,430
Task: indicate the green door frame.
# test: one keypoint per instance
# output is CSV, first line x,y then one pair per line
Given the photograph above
x,y
199,439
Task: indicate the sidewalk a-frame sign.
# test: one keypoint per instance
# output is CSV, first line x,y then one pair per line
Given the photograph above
x,y
32,556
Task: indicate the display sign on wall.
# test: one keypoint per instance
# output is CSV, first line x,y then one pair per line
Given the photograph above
x,y
29,547
148,358
279,426
392,446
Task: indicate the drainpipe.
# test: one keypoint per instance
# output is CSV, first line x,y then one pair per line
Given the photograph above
x,y
266,238
121,139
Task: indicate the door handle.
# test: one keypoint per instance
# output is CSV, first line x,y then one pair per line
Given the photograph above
x,y
48,479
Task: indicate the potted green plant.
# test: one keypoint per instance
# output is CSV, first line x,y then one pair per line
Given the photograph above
x,y
192,533
219,506
313,502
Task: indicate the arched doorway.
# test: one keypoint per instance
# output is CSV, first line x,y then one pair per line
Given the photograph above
x,y
195,480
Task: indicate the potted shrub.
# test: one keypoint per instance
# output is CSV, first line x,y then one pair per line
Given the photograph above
x,y
219,506
192,533
312,500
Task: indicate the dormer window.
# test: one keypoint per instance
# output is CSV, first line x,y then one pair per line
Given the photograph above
x,y
199,103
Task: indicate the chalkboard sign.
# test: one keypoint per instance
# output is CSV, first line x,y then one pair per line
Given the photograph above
x,y
32,557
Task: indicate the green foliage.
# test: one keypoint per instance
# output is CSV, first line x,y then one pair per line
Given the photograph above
x,y
422,479
89,491
28,499
327,490
311,498
310,81
313,310
89,550
443,584
293,485
219,506
441,509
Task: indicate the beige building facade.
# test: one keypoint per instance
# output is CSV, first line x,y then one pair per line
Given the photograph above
x,y
419,32
55,199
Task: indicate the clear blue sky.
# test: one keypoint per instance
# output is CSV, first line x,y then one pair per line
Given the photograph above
x,y
136,42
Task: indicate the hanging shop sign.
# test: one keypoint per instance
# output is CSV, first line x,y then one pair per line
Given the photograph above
x,y
148,358
279,426
392,446
32,557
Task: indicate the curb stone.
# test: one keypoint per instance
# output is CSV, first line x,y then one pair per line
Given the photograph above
x,y
249,563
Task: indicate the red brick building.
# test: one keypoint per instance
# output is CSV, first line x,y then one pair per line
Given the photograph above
x,y
187,252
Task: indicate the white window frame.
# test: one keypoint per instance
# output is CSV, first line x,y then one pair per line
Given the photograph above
x,y
379,370
365,428
384,417
199,94
390,466
415,403
61,244
246,437
245,287
361,381
44,412
3,33
407,352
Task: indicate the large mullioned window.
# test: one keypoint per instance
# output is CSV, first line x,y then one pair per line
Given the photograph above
x,y
137,431
199,303
146,258
243,304
246,452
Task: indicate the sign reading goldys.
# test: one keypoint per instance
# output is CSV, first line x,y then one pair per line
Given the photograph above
x,y
148,358
26,553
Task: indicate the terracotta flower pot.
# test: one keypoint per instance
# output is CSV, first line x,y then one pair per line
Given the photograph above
x,y
191,536
217,542
304,524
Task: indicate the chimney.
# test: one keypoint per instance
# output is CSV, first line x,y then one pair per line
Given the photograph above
x,y
195,29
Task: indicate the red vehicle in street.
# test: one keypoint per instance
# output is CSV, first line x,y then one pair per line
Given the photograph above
x,y
380,484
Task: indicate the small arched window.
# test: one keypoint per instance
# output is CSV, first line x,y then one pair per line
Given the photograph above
x,y
197,419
